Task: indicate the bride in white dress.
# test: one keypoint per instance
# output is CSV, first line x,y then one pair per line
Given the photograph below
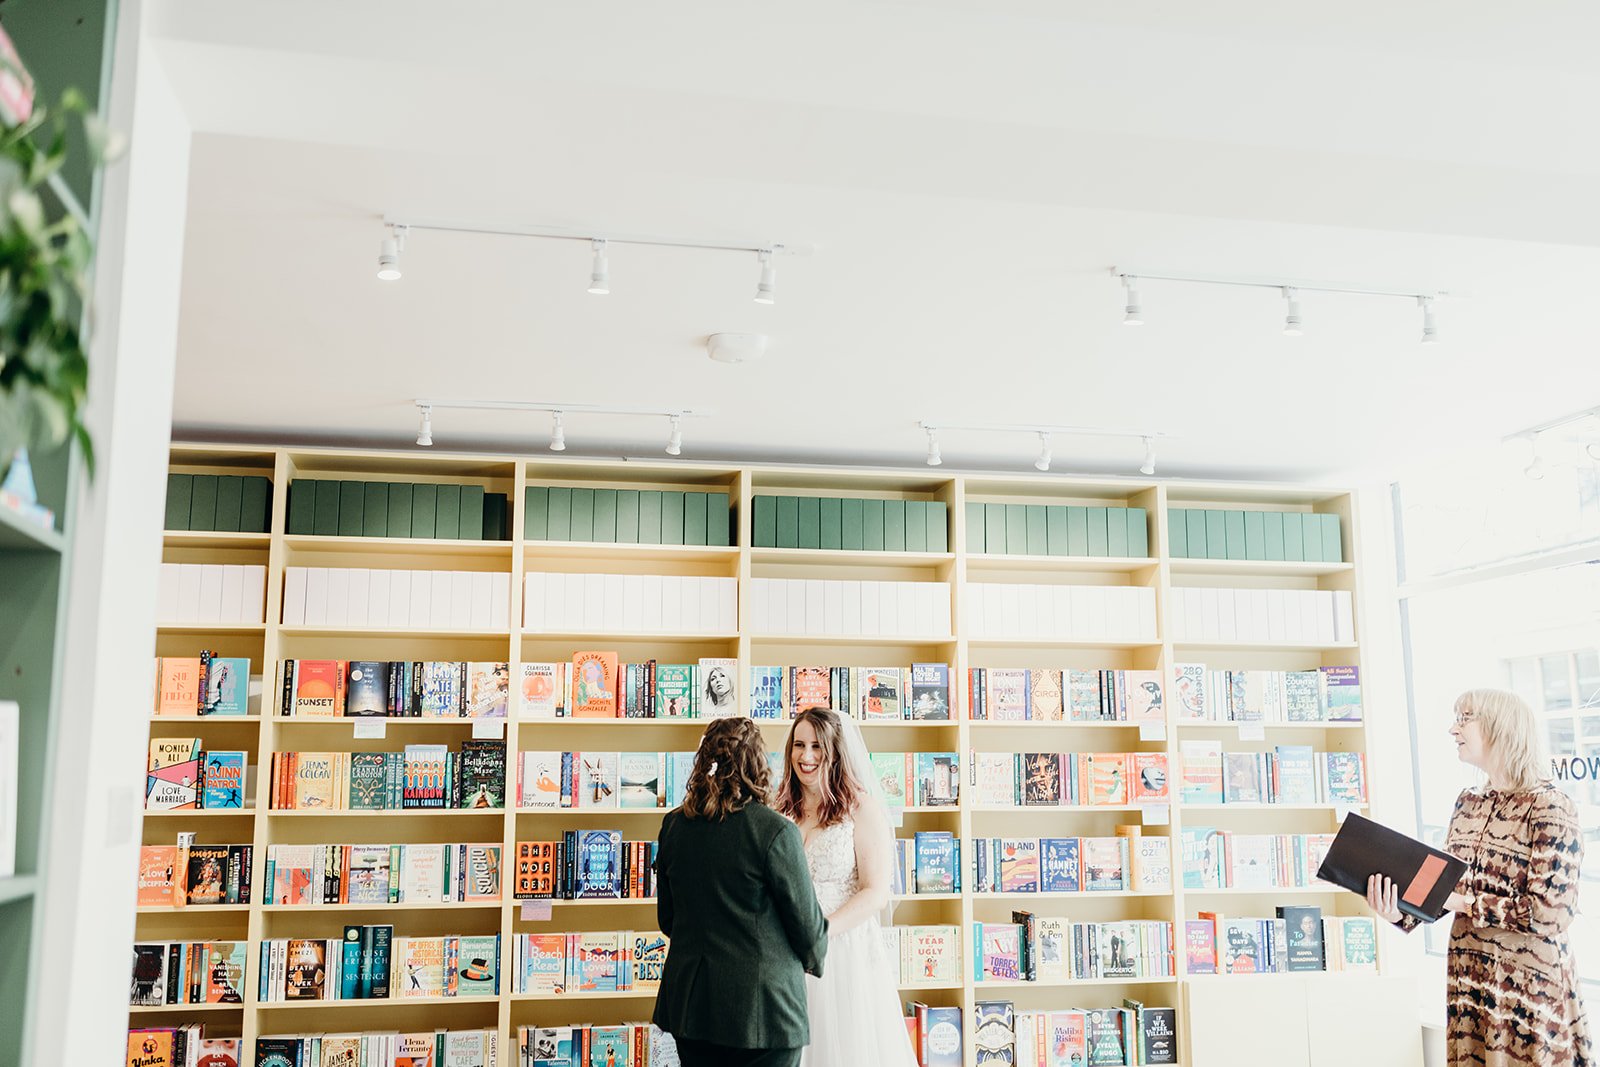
x,y
829,790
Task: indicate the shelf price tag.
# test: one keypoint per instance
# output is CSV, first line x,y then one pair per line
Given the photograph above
x,y
1152,731
1155,814
535,910
488,729
1252,731
371,729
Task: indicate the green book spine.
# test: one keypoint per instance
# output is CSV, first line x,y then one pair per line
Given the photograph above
x,y
325,516
1138,533
447,512
672,517
180,492
230,496
1096,519
1332,540
1294,537
994,529
605,516
719,520
375,510
1055,530
850,524
938,526
558,514
764,517
302,517
694,518
1034,520
352,498
830,522
1216,535
495,509
203,503
976,544
424,507
1233,524
894,525
1311,532
650,517
872,525
255,505
916,525
1016,530
1272,535
1197,534
808,526
1117,532
581,526
788,521
536,513
1178,532
400,503
628,516
1255,535
1077,530
471,521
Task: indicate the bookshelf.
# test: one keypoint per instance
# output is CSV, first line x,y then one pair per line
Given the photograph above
x,y
952,576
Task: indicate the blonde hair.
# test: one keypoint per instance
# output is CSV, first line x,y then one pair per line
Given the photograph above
x,y
1510,731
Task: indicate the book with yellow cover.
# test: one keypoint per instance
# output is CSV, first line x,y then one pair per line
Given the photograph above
x,y
594,685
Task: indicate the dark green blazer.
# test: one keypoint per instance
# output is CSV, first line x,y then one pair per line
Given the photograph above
x,y
735,899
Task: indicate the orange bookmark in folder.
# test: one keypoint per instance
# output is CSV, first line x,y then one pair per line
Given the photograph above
x,y
1426,876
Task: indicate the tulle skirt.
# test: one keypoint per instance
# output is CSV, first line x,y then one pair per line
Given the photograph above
x,y
855,1006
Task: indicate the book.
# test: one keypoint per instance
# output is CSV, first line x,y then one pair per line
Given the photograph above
x,y
994,1033
488,693
1141,696
1158,1035
1107,778
316,688
890,767
173,779
149,988
224,966
219,1052
222,779
369,780
539,781
881,696
937,779
1202,772
938,1035
541,690
1105,862
177,686
999,952
481,775
1044,695
648,958
478,972
439,689
718,687
205,875
597,961
367,879
1342,693
1303,926
597,783
1006,695
420,966
1242,948
641,779
536,870
1423,876
1242,778
306,974
480,872
1041,779
1200,946
160,885
936,861
929,697
1152,864
929,955
766,693
1019,865
1189,690
224,686
366,690
675,690
425,776
1148,777
598,859
809,687
1059,869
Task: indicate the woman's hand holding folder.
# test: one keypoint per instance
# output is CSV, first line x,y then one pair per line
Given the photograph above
x,y
1383,897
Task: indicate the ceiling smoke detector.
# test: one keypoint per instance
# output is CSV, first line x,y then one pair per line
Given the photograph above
x,y
736,347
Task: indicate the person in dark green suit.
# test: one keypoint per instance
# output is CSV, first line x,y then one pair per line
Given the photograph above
x,y
734,897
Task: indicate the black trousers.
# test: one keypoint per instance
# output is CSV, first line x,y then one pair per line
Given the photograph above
x,y
705,1054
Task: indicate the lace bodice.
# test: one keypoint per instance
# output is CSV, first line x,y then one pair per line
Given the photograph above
x,y
831,858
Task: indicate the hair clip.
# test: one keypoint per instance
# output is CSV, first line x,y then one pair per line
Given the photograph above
x,y
713,768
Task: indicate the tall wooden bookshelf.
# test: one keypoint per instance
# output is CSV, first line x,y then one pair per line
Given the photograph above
x,y
954,572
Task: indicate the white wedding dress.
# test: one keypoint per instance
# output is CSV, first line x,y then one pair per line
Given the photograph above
x,y
855,1005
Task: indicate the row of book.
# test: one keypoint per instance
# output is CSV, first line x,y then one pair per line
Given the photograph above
x,y
920,692
308,875
438,689
587,1044
924,955
627,516
1044,948
230,594
1263,616
182,1046
202,685
228,503
585,865
422,776
1056,530
187,972
1128,862
1326,694
447,511
1052,779
370,963
1115,613
1296,939
1289,774
436,1048
1293,536
935,1032
592,961
394,598
1130,1036
831,606
555,602
1222,859
181,773
1044,694
851,524
187,874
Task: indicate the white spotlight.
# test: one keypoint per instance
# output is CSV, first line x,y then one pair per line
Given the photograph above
x,y
389,254
934,459
1291,318
1132,314
558,434
675,442
1043,462
1535,468
600,272
425,434
769,279
1149,464
1430,330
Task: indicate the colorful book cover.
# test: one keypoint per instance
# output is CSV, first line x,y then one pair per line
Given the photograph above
x,y
1303,927
1119,949
318,688
938,779
810,687
149,987
480,875
173,781
599,864
1346,775
1041,779
1296,774
366,691
931,954
306,973
675,686
1006,692
159,880
594,685
1202,772
1000,952
890,767
540,785
880,694
367,881
154,1048
544,964
1152,864
640,774
994,1033
1302,696
939,1036
1200,945
1081,694
177,685
648,958
597,960
1068,1032
766,693
225,686
425,776
1103,1034
1149,777
1044,695
598,780
610,1046
1105,863
935,861
423,873
1242,782
481,770
222,779
219,1052
541,690
1189,690
1052,939
224,964
1342,693
1059,865
1359,936
369,780
420,966
315,775
1242,947
416,1050
488,690
443,689
718,680
291,877
1108,778
994,777
478,973
1141,696
536,870
929,699
1254,696
206,876
1019,865
1202,857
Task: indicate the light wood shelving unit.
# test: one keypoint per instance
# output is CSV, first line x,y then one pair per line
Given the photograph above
x,y
269,644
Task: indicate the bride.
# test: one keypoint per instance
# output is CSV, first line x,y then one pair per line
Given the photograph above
x,y
829,790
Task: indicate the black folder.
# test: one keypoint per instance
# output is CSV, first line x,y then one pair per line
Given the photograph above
x,y
1424,877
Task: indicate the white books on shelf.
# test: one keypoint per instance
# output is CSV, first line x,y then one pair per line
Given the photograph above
x,y
361,598
1000,610
10,771
631,603
226,594
1263,616
825,607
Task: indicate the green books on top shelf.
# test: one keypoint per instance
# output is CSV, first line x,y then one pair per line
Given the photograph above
x,y
1275,536
628,516
1056,530
850,524
448,512
220,503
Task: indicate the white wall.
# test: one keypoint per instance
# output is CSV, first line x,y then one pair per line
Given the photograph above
x,y
92,845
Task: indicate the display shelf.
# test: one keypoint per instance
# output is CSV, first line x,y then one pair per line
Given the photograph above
x,y
625,994
202,813
833,557
823,640
388,631
1048,724
390,722
607,551
18,887
433,905
1075,983
1326,890
21,534
181,1009
590,902
984,563
371,1002
1060,809
218,719
1242,809
215,539
376,548
628,636
393,813
1056,642
217,628
1244,568
192,909
1181,647
1289,727
1086,894
926,987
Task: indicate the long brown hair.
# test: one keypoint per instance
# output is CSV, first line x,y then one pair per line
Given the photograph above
x,y
730,770
840,789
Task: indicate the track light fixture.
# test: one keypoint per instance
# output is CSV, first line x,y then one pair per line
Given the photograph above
x,y
1044,434
1535,468
1132,313
1291,317
1149,464
389,253
769,278
1430,329
675,440
934,459
600,271
558,417
1593,449
558,433
425,433
1043,462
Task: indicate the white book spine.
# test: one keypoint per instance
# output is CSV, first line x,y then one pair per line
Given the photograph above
x,y
316,596
399,598
294,594
482,615
359,594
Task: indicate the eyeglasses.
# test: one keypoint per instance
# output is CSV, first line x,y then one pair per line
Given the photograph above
x,y
1462,718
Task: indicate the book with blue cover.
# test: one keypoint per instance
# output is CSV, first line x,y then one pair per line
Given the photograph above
x,y
222,779
1059,869
935,861
224,686
766,693
599,864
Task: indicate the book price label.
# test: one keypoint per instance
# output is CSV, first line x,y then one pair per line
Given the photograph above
x,y
1156,814
535,910
1252,731
1152,731
488,729
372,729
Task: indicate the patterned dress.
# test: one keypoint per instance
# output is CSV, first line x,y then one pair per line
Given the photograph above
x,y
1512,992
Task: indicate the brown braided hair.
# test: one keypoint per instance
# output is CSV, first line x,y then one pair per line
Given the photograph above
x,y
840,790
730,770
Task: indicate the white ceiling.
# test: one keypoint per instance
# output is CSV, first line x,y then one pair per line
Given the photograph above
x,y
967,174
